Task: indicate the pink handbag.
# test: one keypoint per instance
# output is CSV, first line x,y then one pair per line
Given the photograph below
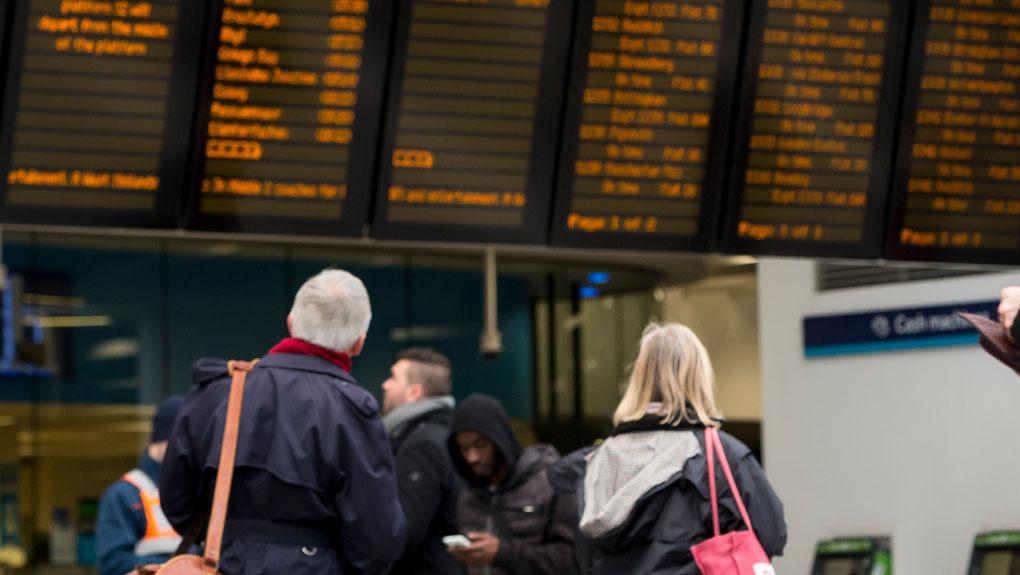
x,y
737,552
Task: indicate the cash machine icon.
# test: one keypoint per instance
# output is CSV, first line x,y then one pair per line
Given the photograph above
x,y
880,326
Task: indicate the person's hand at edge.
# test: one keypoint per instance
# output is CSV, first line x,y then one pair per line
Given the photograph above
x,y
1008,307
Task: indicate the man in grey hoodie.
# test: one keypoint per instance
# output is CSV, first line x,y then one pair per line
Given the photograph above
x,y
418,408
516,523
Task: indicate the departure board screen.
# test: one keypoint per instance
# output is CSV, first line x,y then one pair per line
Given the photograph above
x,y
96,121
290,116
472,122
957,189
4,11
818,122
648,107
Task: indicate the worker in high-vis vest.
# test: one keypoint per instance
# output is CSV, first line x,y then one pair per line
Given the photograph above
x,y
132,529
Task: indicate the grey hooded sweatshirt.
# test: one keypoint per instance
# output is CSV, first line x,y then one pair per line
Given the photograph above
x,y
644,499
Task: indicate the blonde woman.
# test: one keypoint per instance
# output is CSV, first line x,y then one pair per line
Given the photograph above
x,y
644,493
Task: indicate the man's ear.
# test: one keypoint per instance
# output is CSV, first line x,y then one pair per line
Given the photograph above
x,y
290,324
358,346
416,392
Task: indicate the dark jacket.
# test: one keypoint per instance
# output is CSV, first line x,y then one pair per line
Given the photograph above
x,y
428,488
313,490
535,526
659,524
122,523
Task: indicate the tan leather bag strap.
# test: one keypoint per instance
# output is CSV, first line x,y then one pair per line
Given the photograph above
x,y
228,451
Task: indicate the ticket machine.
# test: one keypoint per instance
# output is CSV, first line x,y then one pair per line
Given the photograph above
x,y
853,556
996,553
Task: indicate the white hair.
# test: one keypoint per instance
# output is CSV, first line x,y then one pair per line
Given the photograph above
x,y
331,310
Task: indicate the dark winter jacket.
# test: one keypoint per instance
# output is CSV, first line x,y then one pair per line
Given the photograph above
x,y
122,523
535,526
649,502
313,490
428,487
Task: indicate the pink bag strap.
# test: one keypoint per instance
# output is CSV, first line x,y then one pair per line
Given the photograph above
x,y
713,497
714,444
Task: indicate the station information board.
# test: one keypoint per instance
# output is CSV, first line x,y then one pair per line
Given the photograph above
x,y
289,116
817,128
4,12
957,187
96,119
649,103
470,141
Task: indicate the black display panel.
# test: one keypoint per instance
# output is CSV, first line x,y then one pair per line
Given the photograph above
x,y
845,566
957,187
289,116
649,104
818,118
5,10
997,562
97,112
996,553
473,115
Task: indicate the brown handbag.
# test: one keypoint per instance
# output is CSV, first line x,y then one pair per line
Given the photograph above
x,y
209,562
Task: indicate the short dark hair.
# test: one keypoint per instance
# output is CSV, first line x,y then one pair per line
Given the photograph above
x,y
430,369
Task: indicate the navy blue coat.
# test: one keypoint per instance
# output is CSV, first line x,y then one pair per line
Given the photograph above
x,y
121,525
314,488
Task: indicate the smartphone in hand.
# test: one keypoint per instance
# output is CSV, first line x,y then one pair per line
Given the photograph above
x,y
454,541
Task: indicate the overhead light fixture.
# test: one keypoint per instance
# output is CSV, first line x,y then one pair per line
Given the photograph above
x,y
68,321
47,300
741,260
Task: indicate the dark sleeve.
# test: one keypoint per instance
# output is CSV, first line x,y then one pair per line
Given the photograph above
x,y
583,548
763,505
180,477
372,526
422,476
555,555
118,530
1014,330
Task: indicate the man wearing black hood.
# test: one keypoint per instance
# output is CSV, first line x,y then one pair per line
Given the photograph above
x,y
516,523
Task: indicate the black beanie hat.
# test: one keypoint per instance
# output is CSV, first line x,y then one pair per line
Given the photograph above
x,y
166,415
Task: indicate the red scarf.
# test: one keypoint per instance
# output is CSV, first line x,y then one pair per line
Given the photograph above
x,y
302,347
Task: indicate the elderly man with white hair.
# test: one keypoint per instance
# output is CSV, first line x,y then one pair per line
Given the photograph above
x,y
314,489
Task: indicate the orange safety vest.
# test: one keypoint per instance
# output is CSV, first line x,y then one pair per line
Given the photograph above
x,y
160,537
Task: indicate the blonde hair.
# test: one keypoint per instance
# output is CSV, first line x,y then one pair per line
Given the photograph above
x,y
672,368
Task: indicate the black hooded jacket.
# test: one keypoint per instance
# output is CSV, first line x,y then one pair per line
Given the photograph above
x,y
428,488
649,530
536,527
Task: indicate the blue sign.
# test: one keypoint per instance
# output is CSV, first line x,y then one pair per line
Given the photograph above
x,y
895,329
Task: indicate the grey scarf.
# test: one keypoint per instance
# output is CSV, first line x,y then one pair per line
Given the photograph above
x,y
397,420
